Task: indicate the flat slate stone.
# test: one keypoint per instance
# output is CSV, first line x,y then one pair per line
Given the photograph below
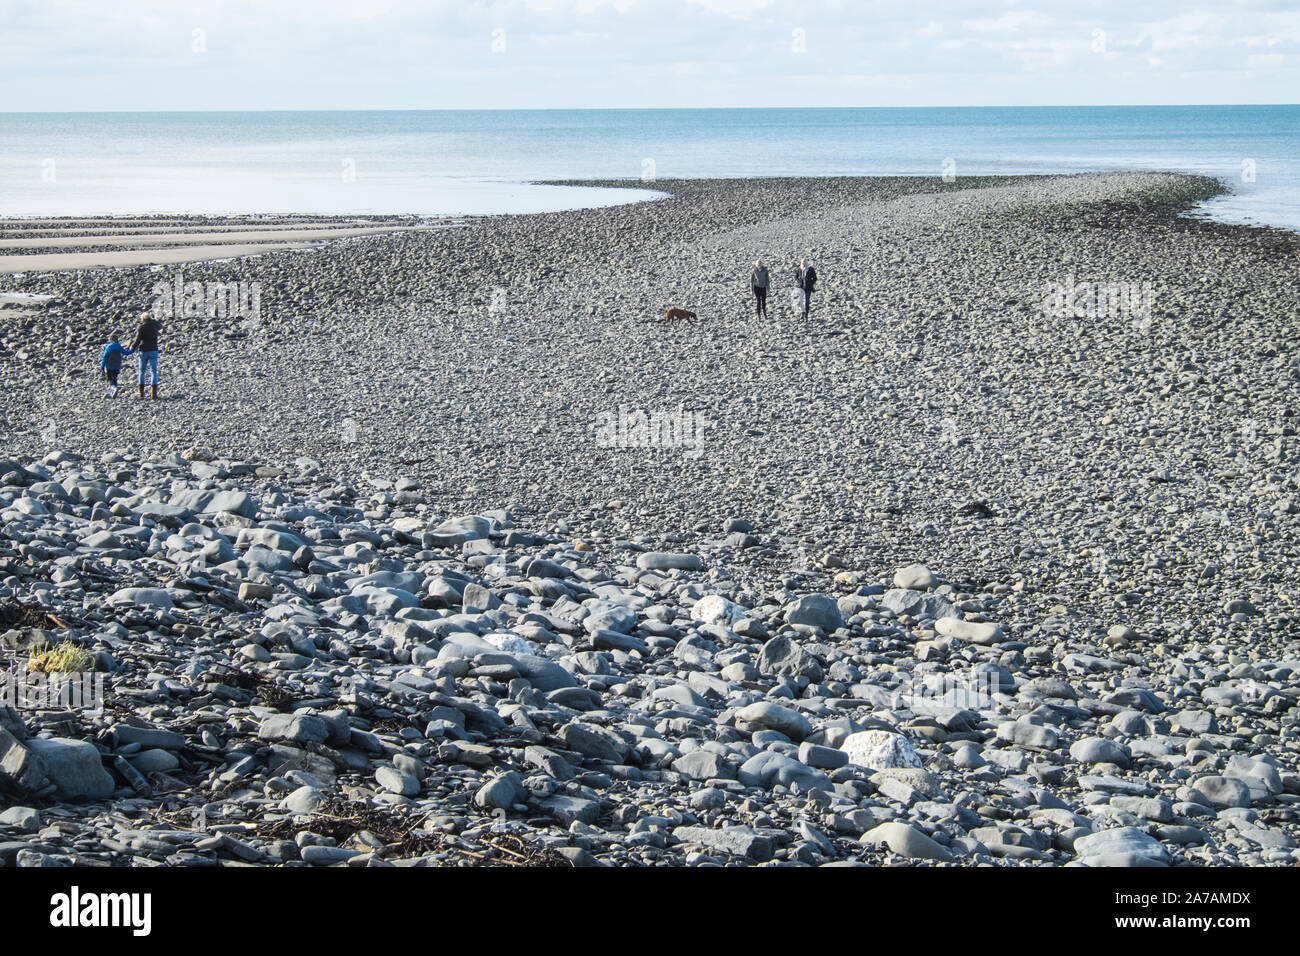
x,y
735,841
1113,784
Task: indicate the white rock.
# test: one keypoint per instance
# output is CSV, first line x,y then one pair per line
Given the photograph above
x,y
715,609
880,750
915,577
973,632
510,643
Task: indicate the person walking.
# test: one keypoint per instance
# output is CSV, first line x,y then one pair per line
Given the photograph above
x,y
146,344
759,280
110,360
806,279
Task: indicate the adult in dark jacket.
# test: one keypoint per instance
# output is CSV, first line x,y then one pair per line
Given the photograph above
x,y
146,344
806,279
759,281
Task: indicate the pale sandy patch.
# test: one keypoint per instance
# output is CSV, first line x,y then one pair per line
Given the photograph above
x,y
195,238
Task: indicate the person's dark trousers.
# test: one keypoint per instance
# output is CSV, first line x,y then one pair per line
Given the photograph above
x,y
760,299
807,302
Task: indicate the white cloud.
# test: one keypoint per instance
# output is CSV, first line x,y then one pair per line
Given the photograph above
x,y
356,9
732,8
136,54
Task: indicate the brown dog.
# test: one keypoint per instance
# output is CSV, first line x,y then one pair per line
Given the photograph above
x,y
671,315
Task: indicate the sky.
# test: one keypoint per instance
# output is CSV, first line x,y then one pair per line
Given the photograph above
x,y
428,54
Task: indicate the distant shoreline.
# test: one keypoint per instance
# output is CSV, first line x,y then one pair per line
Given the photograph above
x,y
178,239
310,224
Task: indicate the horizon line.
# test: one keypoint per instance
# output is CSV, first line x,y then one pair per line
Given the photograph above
x,y
646,109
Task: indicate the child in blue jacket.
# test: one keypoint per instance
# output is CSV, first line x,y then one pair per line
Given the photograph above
x,y
111,362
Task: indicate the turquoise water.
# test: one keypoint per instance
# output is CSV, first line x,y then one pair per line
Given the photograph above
x,y
466,162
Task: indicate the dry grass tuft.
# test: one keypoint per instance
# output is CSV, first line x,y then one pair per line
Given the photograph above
x,y
64,658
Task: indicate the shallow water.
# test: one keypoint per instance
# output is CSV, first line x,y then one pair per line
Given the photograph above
x,y
480,161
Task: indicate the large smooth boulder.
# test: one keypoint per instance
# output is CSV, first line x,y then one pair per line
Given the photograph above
x,y
207,501
815,610
609,616
457,531
905,840
668,561
914,577
232,502
1223,792
296,728
783,657
595,742
261,558
1099,750
268,538
502,792
704,765
735,841
544,674
1122,846
385,601
411,581
916,604
770,768
74,767
765,715
141,597
972,632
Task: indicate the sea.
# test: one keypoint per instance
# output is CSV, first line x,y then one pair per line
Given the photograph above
x,y
477,162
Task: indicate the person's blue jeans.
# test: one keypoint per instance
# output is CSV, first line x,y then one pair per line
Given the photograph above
x,y
807,300
148,363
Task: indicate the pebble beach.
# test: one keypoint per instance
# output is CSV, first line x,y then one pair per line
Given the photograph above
x,y
452,551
